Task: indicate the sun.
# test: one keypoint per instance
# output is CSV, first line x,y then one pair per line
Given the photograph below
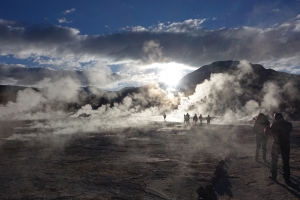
x,y
170,77
171,73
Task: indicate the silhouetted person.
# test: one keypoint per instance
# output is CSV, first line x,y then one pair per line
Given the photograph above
x,y
260,123
208,119
195,118
187,118
280,131
200,118
165,116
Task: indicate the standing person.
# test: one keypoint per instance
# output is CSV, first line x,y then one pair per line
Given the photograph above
x,y
280,131
200,118
195,118
165,116
208,119
187,118
260,123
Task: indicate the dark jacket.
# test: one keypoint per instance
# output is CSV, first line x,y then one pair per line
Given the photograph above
x,y
281,130
259,126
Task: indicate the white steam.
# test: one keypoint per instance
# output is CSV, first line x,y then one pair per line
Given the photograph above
x,y
219,97
46,103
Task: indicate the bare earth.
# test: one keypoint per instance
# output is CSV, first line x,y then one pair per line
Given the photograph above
x,y
161,161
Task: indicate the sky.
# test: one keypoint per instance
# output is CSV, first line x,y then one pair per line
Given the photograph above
x,y
117,43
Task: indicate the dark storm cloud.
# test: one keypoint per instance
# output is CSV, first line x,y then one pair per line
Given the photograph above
x,y
18,32
186,42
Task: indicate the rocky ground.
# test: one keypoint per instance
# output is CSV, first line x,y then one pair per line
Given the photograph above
x,y
164,160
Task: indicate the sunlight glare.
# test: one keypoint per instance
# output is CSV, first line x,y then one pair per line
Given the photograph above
x,y
170,76
171,73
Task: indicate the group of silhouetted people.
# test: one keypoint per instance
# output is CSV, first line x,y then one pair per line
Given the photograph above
x,y
280,131
186,118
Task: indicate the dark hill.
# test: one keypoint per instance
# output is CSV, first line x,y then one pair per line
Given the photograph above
x,y
256,80
9,93
252,83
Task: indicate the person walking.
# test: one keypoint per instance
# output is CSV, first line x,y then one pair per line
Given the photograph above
x,y
187,118
195,118
208,119
260,123
280,130
200,118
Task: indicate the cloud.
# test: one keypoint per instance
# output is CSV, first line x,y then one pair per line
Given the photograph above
x,y
289,65
69,11
7,22
275,10
187,26
184,42
63,20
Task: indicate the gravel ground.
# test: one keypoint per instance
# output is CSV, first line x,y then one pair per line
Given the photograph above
x,y
161,161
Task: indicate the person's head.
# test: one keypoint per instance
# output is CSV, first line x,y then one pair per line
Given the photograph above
x,y
278,116
261,117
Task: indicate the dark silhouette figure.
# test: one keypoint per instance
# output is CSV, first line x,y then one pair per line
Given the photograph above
x,y
165,116
280,130
206,193
208,119
200,118
195,118
260,123
187,118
